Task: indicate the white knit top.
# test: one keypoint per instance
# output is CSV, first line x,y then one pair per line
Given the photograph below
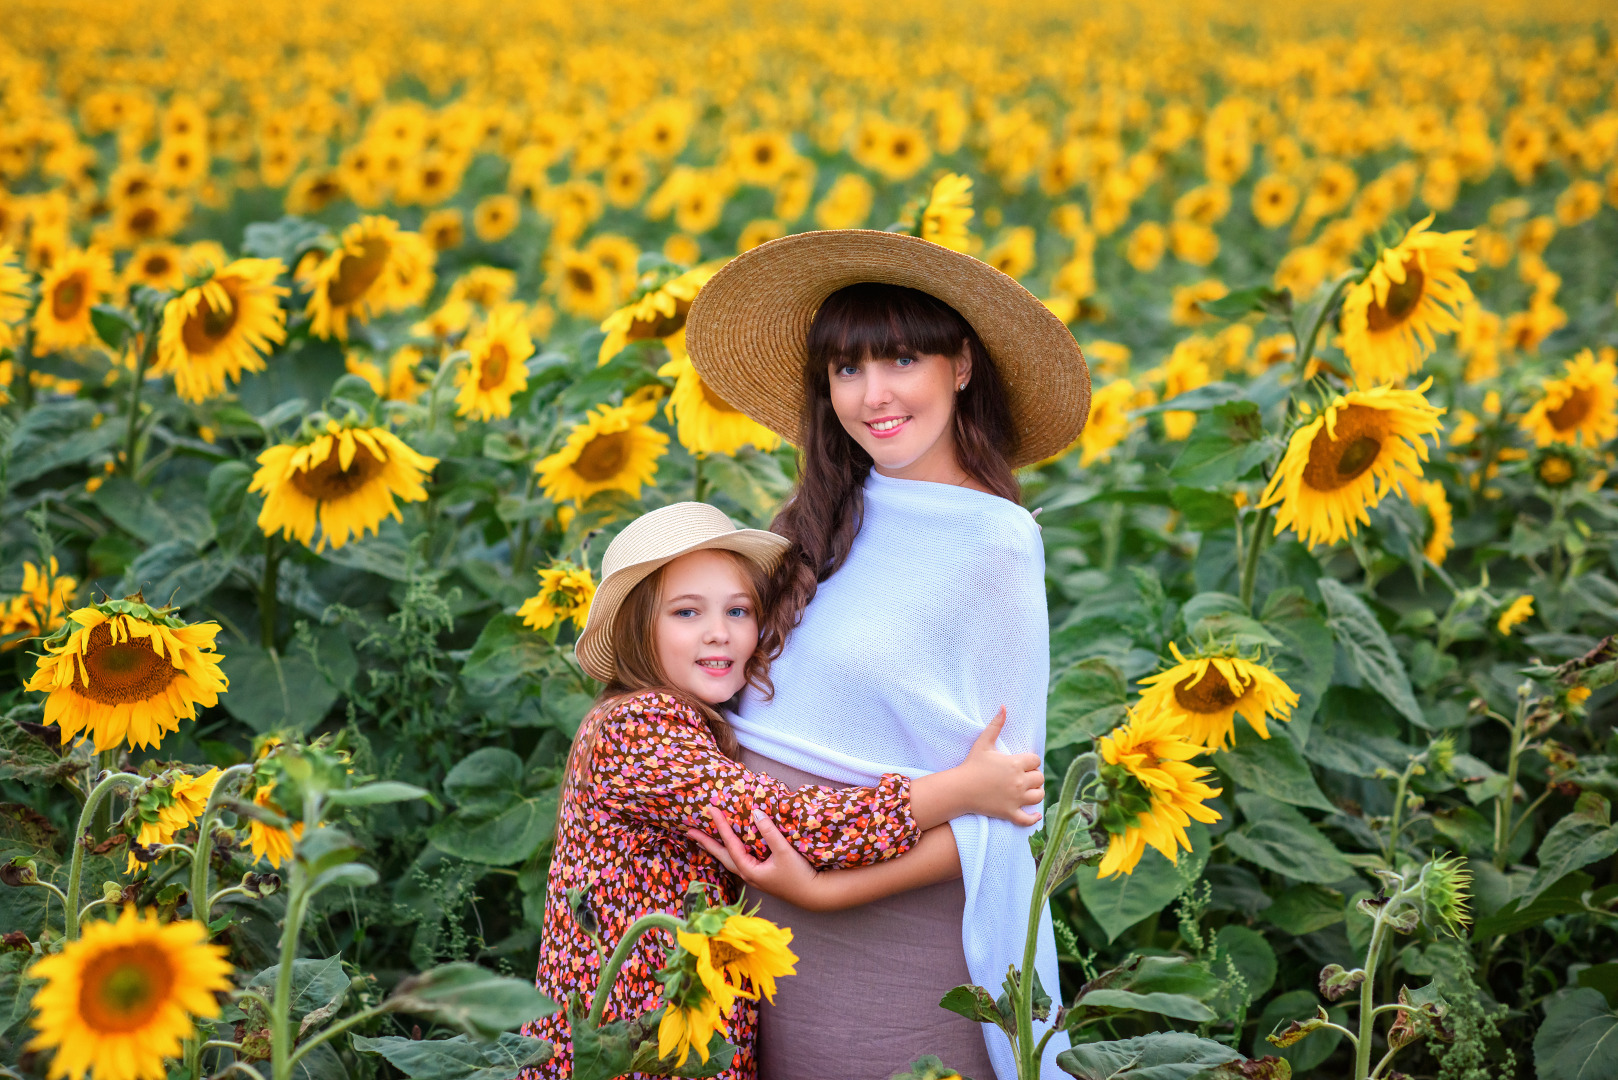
x,y
936,619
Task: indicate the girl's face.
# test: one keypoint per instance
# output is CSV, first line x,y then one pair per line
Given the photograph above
x,y
902,411
707,627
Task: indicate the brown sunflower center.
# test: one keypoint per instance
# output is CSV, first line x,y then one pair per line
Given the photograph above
x,y
157,266
1336,462
1209,694
207,327
603,457
1403,297
1556,471
356,273
68,298
581,279
764,153
329,481
122,988
494,367
714,401
143,222
122,672
1571,413
723,952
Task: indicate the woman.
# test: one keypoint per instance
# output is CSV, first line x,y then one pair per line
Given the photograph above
x,y
913,379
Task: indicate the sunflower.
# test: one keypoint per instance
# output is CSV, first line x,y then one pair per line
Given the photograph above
x,y
496,365
121,998
265,840
125,673
687,1028
565,592
495,217
847,204
1366,444
1430,496
613,450
221,327
1204,694
705,422
165,811
444,229
1411,292
399,383
39,607
1145,247
1515,614
345,478
1109,423
1275,200
658,313
1154,792
77,280
1186,369
156,265
360,279
746,947
948,210
1581,407
583,286
486,286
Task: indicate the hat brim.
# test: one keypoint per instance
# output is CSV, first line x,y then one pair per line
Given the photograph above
x,y
748,329
594,647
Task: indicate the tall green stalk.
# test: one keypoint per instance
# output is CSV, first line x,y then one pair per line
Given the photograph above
x,y
268,612
132,433
1362,1049
620,955
75,872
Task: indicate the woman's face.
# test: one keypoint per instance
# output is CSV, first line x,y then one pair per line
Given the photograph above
x,y
902,411
707,627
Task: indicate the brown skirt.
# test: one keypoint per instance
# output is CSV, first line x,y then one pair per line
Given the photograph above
x,y
864,1003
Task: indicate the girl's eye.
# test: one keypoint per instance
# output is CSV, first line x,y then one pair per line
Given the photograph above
x,y
681,613
739,613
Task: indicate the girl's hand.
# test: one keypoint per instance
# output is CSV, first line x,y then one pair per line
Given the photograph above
x,y
1002,785
786,873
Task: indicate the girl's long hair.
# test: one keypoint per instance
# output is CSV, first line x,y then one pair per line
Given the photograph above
x,y
637,668
858,323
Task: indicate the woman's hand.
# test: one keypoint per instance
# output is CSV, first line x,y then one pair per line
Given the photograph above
x,y
1001,785
786,873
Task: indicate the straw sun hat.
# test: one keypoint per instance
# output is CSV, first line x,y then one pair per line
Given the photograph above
x,y
649,542
748,329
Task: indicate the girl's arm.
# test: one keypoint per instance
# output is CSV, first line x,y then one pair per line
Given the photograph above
x,y
656,762
789,876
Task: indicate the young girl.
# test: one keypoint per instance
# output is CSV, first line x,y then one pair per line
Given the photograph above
x,y
673,631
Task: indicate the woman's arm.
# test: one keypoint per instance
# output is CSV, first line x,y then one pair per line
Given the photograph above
x,y
789,876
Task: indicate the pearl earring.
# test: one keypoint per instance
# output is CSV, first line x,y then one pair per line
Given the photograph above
x,y
961,387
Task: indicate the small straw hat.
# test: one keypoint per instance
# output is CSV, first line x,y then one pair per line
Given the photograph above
x,y
647,543
748,329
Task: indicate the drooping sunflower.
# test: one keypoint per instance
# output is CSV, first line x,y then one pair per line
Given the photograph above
x,y
121,998
1204,694
361,278
1580,408
659,312
222,327
125,673
1363,446
949,209
1154,791
496,365
613,450
77,280
345,479
705,422
1430,496
1515,614
265,840
684,1029
163,812
565,592
39,607
1411,292
749,948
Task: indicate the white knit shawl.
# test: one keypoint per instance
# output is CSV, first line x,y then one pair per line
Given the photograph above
x,y
936,619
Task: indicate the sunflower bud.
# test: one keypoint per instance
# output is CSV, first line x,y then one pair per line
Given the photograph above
x,y
1444,894
111,892
19,871
1441,753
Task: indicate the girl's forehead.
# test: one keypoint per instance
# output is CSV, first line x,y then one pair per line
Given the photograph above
x,y
705,566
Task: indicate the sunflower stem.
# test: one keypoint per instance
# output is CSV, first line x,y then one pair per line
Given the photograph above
x,y
1504,802
23,379
696,478
1362,1048
132,434
281,1004
199,858
75,872
656,920
1249,579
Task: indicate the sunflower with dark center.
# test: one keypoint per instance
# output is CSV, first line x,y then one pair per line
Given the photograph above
x,y
613,450
1205,694
1581,407
1412,292
582,284
124,673
156,265
1363,446
658,312
705,422
496,365
345,480
355,281
77,280
222,327
1154,791
565,592
121,999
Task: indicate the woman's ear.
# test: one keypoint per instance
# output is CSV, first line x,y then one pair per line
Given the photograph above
x,y
963,366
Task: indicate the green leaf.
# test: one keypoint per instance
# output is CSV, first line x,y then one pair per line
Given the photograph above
x,y
485,781
1227,442
1118,903
1278,837
1367,645
1272,766
977,1005
471,998
286,239
383,791
1578,1040
1305,660
1169,1055
1203,511
1563,898
386,555
1205,397
1250,954
1179,1006
1602,977
270,690
751,480
458,1058
506,650
1583,837
1086,701
1303,909
497,822
314,983
111,324
1239,302
55,434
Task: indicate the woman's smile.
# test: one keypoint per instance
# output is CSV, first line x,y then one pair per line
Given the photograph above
x,y
888,426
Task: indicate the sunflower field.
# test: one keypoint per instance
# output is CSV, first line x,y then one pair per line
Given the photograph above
x,y
337,340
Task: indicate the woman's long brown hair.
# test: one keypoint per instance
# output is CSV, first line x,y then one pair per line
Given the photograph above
x,y
856,324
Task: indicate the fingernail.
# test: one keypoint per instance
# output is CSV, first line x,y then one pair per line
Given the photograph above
x,y
758,815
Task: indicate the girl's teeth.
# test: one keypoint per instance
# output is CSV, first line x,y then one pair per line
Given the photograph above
x,y
714,663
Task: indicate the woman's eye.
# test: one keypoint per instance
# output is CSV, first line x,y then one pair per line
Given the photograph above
x,y
904,361
848,371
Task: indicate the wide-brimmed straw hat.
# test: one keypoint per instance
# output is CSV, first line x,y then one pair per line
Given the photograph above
x,y
748,329
649,542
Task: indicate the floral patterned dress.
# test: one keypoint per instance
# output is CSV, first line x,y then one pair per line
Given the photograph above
x,y
652,769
